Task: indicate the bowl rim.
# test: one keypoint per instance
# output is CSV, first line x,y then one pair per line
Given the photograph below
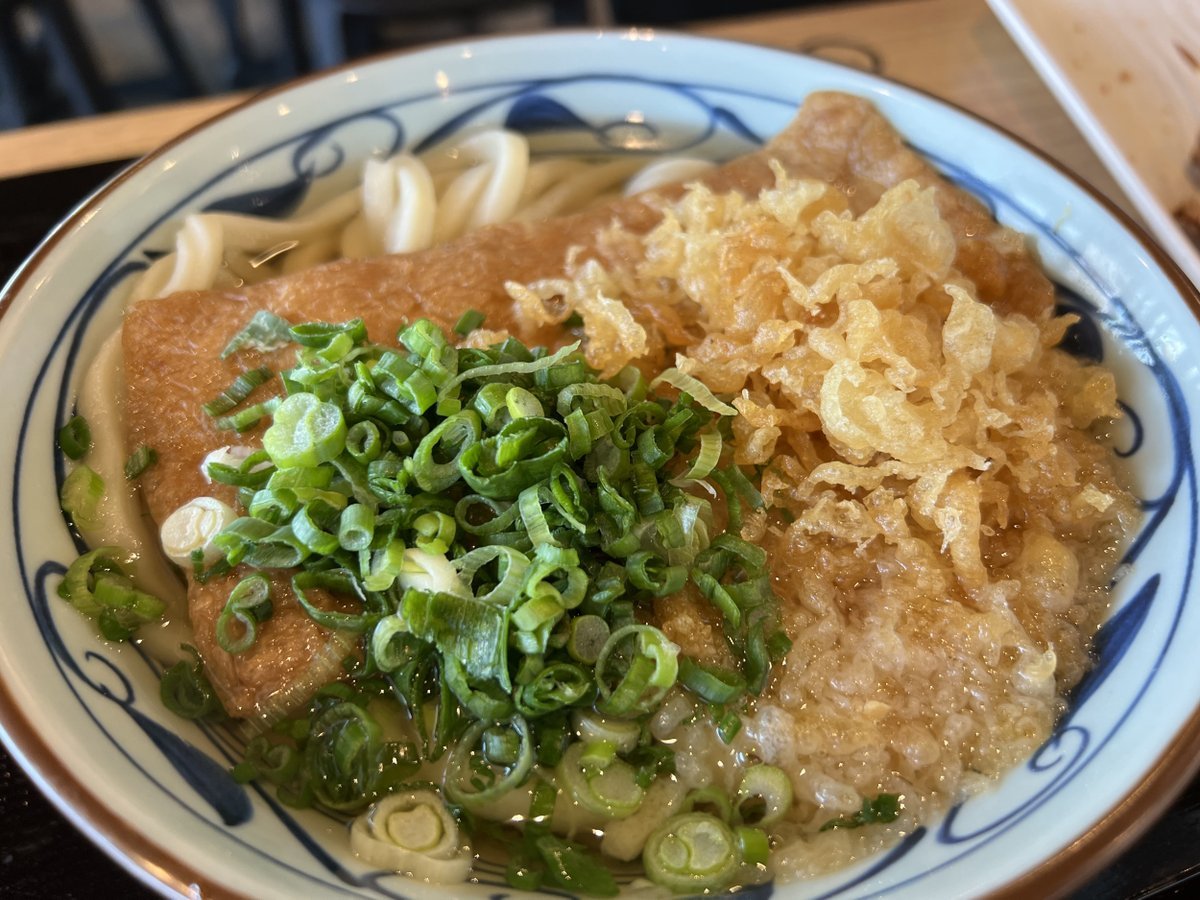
x,y
161,869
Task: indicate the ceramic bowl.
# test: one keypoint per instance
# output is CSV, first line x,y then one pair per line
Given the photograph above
x,y
84,717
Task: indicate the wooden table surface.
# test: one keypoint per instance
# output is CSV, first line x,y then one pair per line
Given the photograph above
x,y
954,49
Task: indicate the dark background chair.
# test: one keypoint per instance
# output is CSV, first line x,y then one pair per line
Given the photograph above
x,y
52,58
46,67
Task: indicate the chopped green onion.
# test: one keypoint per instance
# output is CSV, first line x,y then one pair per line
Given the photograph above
x,y
521,454
98,585
347,764
597,755
469,629
728,724
530,504
622,734
711,683
537,612
364,441
883,808
611,791
314,525
573,868
248,605
265,332
319,335
764,796
242,387
337,581
511,368
632,383
495,522
556,687
356,527
501,746
521,403
252,471
472,784
435,532
708,457
650,670
276,761
711,800
754,845
694,388
245,419
570,866
411,832
187,692
692,852
468,322
380,568
436,461
650,573
75,438
587,638
139,461
305,432
80,496
509,577
485,701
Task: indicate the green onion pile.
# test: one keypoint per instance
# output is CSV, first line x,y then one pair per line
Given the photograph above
x,y
497,524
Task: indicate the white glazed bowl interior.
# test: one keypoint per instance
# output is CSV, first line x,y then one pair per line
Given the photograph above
x,y
85,718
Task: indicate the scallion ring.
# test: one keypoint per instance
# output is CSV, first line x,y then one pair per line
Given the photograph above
x,y
305,432
754,844
75,438
436,461
611,791
692,852
651,668
80,496
764,795
414,833
139,461
470,784
249,604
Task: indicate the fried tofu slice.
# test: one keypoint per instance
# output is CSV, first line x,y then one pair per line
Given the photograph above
x,y
172,345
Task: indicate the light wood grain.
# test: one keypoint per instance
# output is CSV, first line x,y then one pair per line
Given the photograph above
x,y
954,49
94,139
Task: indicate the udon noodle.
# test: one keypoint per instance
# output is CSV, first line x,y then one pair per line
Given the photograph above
x,y
401,204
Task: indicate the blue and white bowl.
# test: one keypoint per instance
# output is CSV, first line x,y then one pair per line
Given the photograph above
x,y
84,717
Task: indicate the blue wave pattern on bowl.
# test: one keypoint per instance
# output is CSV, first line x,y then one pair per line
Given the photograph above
x,y
535,107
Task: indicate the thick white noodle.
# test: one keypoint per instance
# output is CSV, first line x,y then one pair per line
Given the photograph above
x,y
356,240
667,171
454,206
544,174
402,204
503,156
578,189
309,253
260,233
399,204
120,522
205,241
199,249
